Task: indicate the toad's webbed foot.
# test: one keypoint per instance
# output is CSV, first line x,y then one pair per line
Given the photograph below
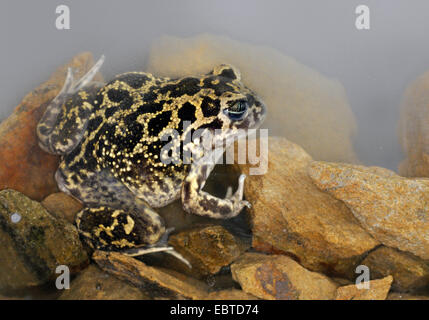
x,y
160,246
136,252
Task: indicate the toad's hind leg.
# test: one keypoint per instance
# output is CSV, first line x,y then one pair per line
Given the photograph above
x,y
62,125
115,220
129,232
113,229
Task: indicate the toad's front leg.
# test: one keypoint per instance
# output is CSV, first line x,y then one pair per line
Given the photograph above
x,y
199,202
65,119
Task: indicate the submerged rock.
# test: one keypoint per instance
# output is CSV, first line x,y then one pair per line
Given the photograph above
x,y
303,105
230,294
94,284
277,277
9,298
291,216
409,272
24,166
157,283
62,205
405,296
378,290
34,243
414,132
208,249
393,209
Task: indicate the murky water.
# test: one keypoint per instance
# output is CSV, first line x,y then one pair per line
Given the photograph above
x,y
374,66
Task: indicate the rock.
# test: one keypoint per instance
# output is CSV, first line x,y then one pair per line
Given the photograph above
x,y
393,209
413,128
230,294
174,216
94,284
9,298
34,243
278,277
157,283
291,216
302,103
62,205
405,296
25,167
378,290
409,272
208,248
341,281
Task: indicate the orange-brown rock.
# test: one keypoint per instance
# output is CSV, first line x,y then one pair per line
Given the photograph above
x,y
409,272
156,283
9,298
378,290
277,277
393,209
230,294
208,249
62,205
291,216
405,296
414,132
24,166
94,284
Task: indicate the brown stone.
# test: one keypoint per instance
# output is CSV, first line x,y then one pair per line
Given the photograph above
x,y
378,290
157,283
62,205
413,128
393,209
34,243
230,294
174,215
405,296
303,105
291,216
24,166
208,249
341,281
94,284
409,272
9,298
278,277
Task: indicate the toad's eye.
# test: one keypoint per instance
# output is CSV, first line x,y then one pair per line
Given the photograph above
x,y
237,111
